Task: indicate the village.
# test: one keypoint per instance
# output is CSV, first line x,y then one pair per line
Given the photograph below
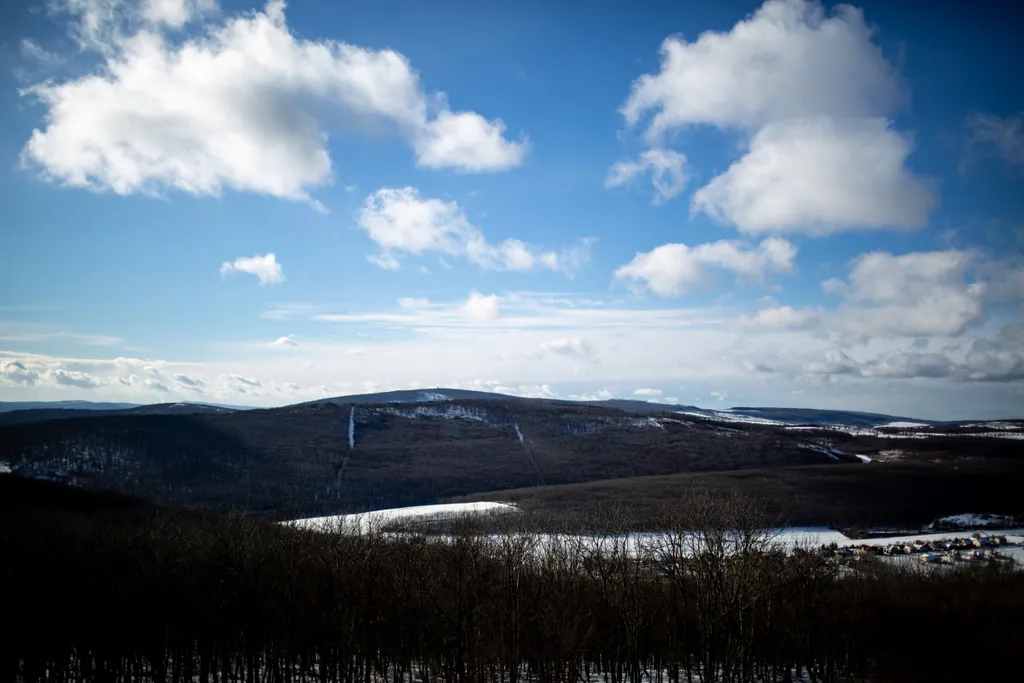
x,y
975,548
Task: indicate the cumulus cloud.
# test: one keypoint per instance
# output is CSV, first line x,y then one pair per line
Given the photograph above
x,y
1004,137
242,105
72,378
15,372
467,142
812,94
401,221
480,308
674,269
819,176
648,392
188,381
787,60
920,293
995,359
156,385
286,342
573,345
265,267
667,169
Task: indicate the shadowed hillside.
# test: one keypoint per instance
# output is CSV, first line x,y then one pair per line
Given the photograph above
x,y
300,460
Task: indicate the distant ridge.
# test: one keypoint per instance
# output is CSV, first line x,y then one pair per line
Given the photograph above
x,y
25,416
35,411
8,406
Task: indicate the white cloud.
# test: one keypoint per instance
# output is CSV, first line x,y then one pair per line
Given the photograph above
x,y
776,316
920,293
401,221
87,339
14,371
572,345
819,176
467,142
265,267
413,303
599,395
287,342
719,396
480,308
648,392
189,381
667,167
996,359
786,61
242,105
811,93
1004,136
674,269
72,378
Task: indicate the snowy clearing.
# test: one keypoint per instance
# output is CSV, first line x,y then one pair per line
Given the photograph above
x,y
903,425
972,520
724,416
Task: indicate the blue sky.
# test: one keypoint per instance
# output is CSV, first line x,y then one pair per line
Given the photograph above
x,y
719,204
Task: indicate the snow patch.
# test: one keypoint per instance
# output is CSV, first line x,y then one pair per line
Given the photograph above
x,y
518,433
5,467
898,424
445,412
726,416
863,458
433,396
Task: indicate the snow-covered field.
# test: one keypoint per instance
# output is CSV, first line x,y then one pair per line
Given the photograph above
x,y
636,544
368,521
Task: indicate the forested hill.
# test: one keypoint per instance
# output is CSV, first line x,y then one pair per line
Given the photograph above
x,y
331,457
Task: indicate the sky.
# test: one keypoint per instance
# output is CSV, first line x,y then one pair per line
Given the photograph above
x,y
729,203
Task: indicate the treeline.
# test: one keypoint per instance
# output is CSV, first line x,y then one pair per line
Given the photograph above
x,y
154,595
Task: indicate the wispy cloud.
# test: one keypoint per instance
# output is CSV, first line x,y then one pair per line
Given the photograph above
x,y
87,339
